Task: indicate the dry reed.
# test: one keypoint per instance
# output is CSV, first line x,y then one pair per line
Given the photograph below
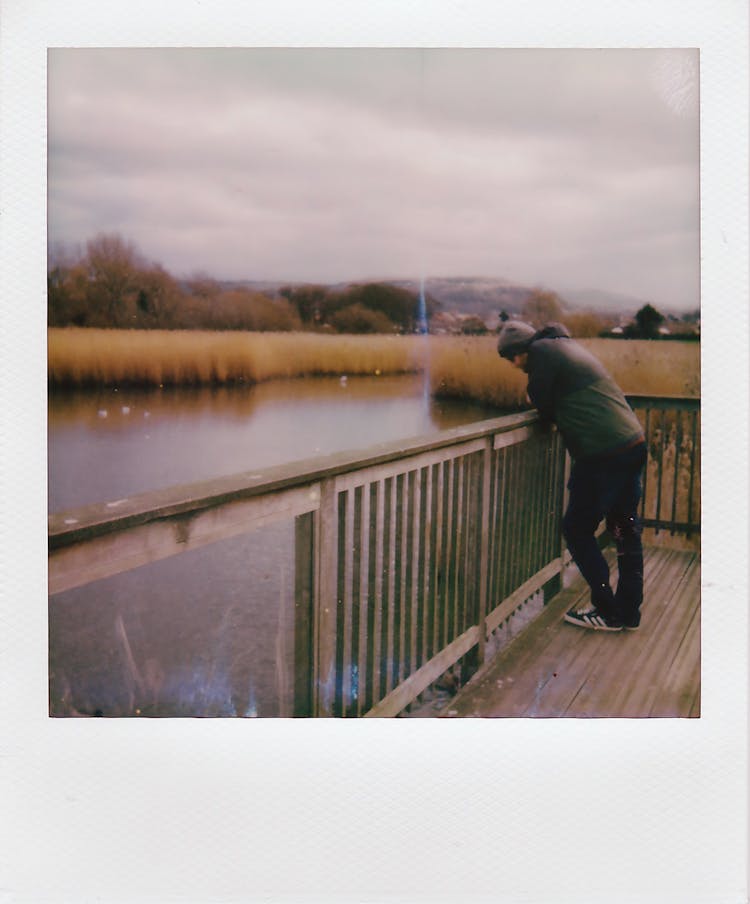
x,y
83,357
646,367
471,368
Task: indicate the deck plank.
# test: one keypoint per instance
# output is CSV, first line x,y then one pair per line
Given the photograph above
x,y
660,647
503,670
680,689
554,669
615,655
622,684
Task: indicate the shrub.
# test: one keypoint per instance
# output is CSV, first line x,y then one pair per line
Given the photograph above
x,y
585,325
473,326
356,318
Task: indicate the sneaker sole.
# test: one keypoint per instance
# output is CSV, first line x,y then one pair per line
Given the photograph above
x,y
589,626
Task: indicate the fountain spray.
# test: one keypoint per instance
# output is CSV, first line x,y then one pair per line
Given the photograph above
x,y
422,330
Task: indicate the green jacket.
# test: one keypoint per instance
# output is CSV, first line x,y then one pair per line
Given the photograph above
x,y
571,388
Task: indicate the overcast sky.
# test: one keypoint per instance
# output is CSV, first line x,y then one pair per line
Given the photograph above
x,y
570,169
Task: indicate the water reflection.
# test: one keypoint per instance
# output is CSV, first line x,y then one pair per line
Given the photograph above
x,y
208,633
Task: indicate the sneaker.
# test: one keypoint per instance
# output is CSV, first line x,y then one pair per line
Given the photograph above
x,y
592,619
631,618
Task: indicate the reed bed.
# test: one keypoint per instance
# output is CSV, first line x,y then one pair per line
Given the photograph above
x,y
646,367
471,368
88,357
458,367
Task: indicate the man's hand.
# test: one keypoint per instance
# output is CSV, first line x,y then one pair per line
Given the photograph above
x,y
546,425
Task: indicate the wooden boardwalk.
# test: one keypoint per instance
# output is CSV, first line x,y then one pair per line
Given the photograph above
x,y
554,669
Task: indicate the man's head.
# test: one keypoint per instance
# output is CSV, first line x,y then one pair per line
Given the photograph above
x,y
513,342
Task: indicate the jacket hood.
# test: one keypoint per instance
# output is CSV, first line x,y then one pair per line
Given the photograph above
x,y
551,331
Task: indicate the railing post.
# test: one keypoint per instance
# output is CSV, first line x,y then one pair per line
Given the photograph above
x,y
325,603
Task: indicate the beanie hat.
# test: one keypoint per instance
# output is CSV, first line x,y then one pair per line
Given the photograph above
x,y
515,338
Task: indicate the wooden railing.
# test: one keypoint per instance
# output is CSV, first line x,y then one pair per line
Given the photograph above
x,y
406,558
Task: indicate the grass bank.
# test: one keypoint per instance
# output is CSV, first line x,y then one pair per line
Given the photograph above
x,y
459,367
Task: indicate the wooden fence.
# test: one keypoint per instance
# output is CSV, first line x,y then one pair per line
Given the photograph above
x,y
406,558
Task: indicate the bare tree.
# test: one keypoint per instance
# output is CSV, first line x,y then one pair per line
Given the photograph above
x,y
207,290
112,264
541,307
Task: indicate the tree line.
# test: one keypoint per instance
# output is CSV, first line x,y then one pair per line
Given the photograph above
x,y
111,285
543,306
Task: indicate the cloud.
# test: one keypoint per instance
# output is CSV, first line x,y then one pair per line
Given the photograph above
x,y
542,166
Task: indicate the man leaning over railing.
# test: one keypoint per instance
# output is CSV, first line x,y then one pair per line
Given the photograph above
x,y
571,389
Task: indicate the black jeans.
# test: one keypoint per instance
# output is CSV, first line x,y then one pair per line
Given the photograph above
x,y
608,488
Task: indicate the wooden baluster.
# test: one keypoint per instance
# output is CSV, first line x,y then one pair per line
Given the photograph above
x,y
438,574
374,595
326,598
660,472
504,532
360,553
425,556
676,475
401,540
484,549
389,589
644,480
693,466
344,621
303,614
459,584
398,546
418,572
498,509
454,540
448,527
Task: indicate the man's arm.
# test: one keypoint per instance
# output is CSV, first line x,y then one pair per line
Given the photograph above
x,y
541,390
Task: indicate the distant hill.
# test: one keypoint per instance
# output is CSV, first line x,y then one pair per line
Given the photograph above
x,y
473,295
484,296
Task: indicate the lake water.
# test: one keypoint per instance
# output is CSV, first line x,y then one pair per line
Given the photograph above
x,y
210,632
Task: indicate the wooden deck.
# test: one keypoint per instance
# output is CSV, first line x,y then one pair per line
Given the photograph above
x,y
554,669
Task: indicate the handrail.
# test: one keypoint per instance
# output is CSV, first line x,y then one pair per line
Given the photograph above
x,y
664,403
